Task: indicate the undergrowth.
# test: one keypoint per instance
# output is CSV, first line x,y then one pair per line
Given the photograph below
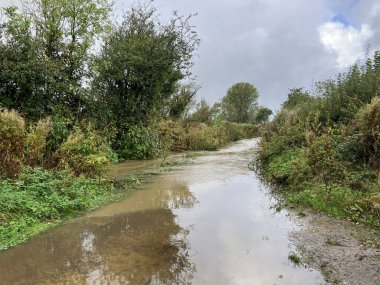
x,y
323,151
42,198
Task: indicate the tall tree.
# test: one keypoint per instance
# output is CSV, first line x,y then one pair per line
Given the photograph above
x,y
140,65
23,73
262,114
58,35
239,103
203,112
181,101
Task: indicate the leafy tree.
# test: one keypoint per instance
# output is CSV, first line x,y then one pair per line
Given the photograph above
x,y
296,97
239,103
181,101
262,115
140,65
66,30
47,49
22,71
203,112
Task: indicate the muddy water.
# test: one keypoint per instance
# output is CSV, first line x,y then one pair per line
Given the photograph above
x,y
210,222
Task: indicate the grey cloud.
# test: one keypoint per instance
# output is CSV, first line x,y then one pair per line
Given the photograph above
x,y
273,44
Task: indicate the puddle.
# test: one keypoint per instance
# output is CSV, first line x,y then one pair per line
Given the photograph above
x,y
209,222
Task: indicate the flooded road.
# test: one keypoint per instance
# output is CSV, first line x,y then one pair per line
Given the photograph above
x,y
209,222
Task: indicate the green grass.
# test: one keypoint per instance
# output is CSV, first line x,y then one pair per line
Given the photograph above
x,y
336,201
306,186
294,258
40,199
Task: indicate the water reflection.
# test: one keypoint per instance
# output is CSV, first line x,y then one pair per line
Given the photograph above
x,y
234,235
144,246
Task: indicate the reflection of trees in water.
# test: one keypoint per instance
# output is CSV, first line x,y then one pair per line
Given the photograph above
x,y
143,247
151,250
177,195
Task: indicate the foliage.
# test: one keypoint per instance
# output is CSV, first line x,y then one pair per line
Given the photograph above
x,y
296,97
22,70
324,149
59,134
36,141
203,137
44,54
143,143
40,198
181,101
239,103
203,112
12,137
140,65
366,127
174,133
212,137
85,152
262,114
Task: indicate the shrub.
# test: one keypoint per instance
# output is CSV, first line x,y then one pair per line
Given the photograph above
x,y
35,142
85,152
284,167
322,159
234,131
12,136
367,126
142,143
229,132
174,134
59,134
203,137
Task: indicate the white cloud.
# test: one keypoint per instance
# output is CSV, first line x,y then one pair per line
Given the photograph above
x,y
346,42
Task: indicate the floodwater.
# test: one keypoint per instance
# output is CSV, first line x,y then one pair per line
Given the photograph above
x,y
209,222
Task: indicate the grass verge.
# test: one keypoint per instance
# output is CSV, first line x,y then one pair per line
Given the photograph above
x,y
40,199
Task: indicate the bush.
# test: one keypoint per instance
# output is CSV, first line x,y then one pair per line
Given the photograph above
x,y
367,126
36,140
234,131
325,149
59,134
289,167
321,155
142,143
12,136
85,152
203,137
174,134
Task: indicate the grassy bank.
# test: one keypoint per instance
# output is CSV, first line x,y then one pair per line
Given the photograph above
x,y
40,199
323,150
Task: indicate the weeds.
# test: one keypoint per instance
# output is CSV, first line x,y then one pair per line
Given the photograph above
x,y
294,258
36,142
40,199
332,241
85,152
12,138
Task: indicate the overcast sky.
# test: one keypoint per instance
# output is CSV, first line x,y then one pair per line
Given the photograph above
x,y
274,44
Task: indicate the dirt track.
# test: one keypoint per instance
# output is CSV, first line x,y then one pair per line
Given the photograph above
x,y
344,252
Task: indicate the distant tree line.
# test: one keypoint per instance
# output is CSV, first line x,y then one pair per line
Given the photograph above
x,y
239,105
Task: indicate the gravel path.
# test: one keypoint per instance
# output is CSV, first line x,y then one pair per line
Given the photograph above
x,y
346,253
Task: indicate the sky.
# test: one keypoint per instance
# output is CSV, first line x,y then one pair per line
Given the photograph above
x,y
274,44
